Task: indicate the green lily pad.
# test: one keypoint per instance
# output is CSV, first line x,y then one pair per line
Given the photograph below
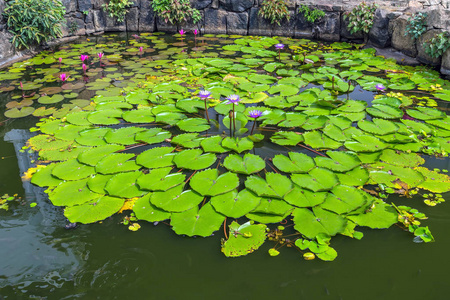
x,y
275,185
141,116
304,198
244,239
248,164
209,183
43,176
237,144
123,136
94,155
96,210
117,163
235,205
158,157
318,221
201,222
124,185
72,170
71,193
152,136
296,163
343,199
213,144
379,216
146,211
339,161
287,138
193,125
187,140
317,180
193,159
176,199
160,179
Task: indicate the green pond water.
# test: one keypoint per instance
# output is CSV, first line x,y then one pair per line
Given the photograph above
x,y
41,259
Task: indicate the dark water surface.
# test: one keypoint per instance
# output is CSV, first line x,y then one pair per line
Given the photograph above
x,y
40,259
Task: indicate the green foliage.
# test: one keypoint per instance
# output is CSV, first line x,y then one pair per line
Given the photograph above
x,y
176,11
73,27
311,15
416,25
274,11
117,8
32,22
361,18
437,45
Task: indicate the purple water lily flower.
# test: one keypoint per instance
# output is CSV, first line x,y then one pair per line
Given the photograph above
x,y
204,94
380,87
234,99
254,114
279,46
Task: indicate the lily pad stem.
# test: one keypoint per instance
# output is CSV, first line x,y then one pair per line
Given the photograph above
x,y
253,127
225,228
312,150
206,111
234,121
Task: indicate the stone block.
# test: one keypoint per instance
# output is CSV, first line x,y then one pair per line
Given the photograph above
x,y
99,20
113,25
84,5
70,5
98,4
236,5
201,4
303,28
90,28
132,19
286,27
400,41
215,21
146,17
215,4
258,25
330,27
422,56
445,63
438,19
89,18
6,48
237,23
165,27
379,33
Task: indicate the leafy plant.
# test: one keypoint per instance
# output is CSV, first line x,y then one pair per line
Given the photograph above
x,y
176,11
311,15
361,18
437,45
117,8
416,25
274,11
32,22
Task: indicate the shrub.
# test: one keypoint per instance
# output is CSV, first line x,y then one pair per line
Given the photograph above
x,y
416,25
32,22
311,15
117,8
361,18
274,11
176,11
437,45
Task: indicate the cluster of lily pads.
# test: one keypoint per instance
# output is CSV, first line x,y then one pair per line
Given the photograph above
x,y
248,137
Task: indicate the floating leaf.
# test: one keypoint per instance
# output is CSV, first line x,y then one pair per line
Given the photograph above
x,y
152,136
380,215
160,180
209,183
385,111
365,143
194,159
116,163
287,138
318,140
93,156
213,144
235,205
193,125
72,170
19,112
317,180
201,222
378,126
124,185
244,239
43,176
123,136
296,163
158,157
71,193
248,164
96,210
237,144
145,210
343,199
434,182
304,198
339,161
275,185
312,223
187,140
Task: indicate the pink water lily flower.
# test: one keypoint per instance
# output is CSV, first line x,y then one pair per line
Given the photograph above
x,y
195,31
84,68
182,32
63,77
141,49
100,55
84,57
60,59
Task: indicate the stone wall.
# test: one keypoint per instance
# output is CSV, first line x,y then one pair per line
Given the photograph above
x,y
86,17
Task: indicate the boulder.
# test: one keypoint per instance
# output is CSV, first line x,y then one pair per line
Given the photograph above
x,y
99,20
330,27
165,27
438,19
70,6
379,33
215,21
257,24
445,63
236,5
97,4
422,56
90,28
6,48
84,5
132,19
400,41
146,17
201,4
286,27
303,28
237,23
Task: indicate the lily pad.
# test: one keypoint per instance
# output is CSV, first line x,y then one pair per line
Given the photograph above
x,y
248,164
209,183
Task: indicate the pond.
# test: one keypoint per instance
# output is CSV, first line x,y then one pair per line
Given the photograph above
x,y
128,132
